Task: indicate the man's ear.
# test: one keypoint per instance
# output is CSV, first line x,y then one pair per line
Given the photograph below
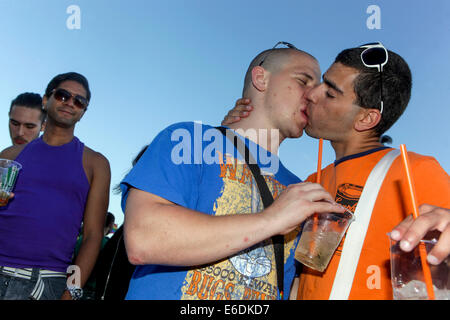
x,y
367,119
259,79
44,102
44,123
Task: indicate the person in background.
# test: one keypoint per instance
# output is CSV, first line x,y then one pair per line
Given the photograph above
x,y
109,227
26,118
62,184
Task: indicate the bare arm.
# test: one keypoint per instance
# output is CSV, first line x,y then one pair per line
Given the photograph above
x,y
12,152
94,218
160,232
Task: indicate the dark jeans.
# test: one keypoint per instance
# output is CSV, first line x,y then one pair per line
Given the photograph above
x,y
14,288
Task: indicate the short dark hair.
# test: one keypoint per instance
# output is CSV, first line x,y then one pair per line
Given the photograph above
x,y
397,84
117,189
109,219
29,100
69,76
273,59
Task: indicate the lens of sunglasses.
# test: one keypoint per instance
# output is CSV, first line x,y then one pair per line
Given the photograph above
x,y
374,56
64,95
80,102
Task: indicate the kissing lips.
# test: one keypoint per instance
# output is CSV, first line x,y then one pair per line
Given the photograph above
x,y
304,114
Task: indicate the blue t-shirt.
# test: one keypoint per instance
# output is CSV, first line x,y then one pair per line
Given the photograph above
x,y
195,166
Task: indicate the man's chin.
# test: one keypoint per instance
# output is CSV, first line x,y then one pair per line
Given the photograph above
x,y
296,135
311,133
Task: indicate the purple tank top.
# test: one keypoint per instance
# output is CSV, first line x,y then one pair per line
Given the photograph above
x,y
39,226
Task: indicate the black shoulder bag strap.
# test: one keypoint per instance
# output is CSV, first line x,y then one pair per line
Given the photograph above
x,y
267,198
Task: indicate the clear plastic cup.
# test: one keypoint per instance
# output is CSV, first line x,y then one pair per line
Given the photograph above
x,y
321,235
407,275
9,169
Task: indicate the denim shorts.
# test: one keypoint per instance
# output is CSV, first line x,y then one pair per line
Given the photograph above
x,y
35,288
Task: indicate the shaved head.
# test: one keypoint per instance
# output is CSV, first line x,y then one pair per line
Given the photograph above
x,y
273,60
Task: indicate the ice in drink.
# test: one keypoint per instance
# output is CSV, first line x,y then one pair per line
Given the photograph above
x,y
321,235
318,254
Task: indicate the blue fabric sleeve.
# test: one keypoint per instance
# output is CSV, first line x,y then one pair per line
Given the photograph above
x,y
298,268
156,171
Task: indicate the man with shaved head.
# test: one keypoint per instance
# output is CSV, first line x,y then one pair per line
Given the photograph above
x,y
195,225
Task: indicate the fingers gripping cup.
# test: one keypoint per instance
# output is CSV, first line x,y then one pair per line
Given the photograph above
x,y
407,276
320,237
9,170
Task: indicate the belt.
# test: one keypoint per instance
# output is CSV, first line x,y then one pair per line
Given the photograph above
x,y
26,273
34,274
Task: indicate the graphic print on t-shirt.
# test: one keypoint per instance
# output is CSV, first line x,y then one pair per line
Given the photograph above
x,y
251,273
347,195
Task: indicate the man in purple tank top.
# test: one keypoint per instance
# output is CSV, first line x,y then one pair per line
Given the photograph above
x,y
62,184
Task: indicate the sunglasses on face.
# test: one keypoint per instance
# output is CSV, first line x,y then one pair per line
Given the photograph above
x,y
375,55
63,95
287,44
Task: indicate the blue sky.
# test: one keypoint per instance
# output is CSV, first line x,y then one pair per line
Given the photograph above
x,y
152,63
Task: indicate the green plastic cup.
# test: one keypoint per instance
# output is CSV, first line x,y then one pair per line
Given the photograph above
x,y
9,170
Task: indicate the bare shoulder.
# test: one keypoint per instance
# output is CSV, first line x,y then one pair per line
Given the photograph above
x,y
95,160
12,152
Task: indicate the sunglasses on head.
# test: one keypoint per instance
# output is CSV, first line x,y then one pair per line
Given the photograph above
x,y
63,95
375,55
287,44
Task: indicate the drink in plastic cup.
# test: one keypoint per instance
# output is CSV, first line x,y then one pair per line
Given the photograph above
x,y
407,275
320,238
9,170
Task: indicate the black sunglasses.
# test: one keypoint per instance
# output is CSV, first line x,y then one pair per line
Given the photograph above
x,y
63,95
287,44
375,55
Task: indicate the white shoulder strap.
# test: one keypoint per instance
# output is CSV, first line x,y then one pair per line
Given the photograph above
x,y
356,233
